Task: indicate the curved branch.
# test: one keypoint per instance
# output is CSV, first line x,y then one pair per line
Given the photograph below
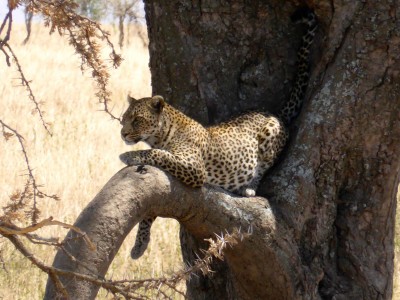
x,y
130,196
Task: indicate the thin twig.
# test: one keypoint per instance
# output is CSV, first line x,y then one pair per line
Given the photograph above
x,y
6,54
58,284
4,21
38,240
10,19
6,229
129,289
26,83
37,193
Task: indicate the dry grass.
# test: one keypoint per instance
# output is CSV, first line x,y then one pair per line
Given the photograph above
x,y
80,157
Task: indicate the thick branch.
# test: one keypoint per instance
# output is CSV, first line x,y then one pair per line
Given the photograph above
x,y
266,258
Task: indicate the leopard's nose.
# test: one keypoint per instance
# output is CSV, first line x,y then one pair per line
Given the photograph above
x,y
124,134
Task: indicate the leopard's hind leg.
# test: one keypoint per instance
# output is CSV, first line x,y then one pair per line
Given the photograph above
x,y
272,138
250,189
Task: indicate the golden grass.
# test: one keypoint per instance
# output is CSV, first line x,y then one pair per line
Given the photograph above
x,y
80,157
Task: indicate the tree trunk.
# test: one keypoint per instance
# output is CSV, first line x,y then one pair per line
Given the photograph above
x,y
121,19
336,184
28,24
327,228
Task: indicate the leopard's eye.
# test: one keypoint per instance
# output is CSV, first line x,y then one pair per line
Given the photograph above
x,y
135,121
138,119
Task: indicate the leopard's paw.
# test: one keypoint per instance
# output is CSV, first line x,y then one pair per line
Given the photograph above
x,y
129,158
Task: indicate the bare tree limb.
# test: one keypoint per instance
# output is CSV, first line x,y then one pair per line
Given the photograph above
x,y
130,196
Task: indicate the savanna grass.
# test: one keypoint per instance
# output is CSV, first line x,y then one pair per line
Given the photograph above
x,y
78,159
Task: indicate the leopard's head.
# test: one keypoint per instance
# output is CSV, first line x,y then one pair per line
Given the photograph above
x,y
141,121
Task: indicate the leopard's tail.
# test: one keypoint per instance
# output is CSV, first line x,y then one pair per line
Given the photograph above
x,y
292,107
142,238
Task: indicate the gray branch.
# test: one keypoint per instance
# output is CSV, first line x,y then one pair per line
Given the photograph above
x,y
130,196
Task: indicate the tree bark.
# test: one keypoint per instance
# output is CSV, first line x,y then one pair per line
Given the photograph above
x,y
121,19
327,228
28,25
336,185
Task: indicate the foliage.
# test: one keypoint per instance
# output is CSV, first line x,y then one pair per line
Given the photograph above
x,y
125,10
120,10
93,9
128,9
98,10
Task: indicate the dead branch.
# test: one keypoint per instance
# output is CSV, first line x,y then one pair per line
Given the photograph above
x,y
31,184
28,25
129,289
10,229
84,35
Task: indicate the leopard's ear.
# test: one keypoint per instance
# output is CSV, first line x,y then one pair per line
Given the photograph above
x,y
157,103
130,99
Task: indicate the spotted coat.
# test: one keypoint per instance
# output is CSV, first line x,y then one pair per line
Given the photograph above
x,y
233,155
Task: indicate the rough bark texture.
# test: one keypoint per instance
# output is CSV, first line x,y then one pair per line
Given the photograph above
x,y
336,185
215,59
327,230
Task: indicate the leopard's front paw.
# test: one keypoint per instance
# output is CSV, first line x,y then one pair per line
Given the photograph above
x,y
129,158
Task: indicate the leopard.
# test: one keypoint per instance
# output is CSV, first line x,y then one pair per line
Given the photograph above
x,y
232,155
